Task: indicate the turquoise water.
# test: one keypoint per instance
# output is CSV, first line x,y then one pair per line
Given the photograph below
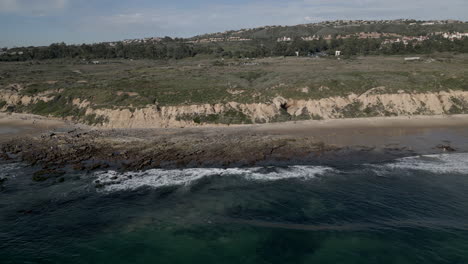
x,y
411,210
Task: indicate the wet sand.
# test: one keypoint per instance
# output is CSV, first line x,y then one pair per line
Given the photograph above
x,y
19,125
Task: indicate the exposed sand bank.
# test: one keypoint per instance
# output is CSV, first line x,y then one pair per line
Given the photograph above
x,y
343,132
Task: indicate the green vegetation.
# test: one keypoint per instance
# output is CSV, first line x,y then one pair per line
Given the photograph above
x,y
253,49
133,84
177,72
262,42
94,119
459,106
62,107
356,110
228,117
352,110
409,27
59,107
118,84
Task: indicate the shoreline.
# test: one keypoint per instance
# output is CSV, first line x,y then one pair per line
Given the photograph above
x,y
20,125
409,121
57,145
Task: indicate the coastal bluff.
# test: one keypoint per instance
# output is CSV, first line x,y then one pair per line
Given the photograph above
x,y
373,103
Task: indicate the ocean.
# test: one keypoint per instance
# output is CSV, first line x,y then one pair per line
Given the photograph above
x,y
408,210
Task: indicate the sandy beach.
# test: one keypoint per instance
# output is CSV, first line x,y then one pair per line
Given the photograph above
x,y
18,125
416,132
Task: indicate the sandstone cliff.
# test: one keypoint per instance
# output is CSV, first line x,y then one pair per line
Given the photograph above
x,y
371,103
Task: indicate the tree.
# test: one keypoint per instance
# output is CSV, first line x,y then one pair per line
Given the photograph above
x,y
280,49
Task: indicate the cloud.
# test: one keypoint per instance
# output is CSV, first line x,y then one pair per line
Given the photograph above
x,y
32,7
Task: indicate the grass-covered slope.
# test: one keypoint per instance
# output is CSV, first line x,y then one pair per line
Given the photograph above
x,y
125,83
231,91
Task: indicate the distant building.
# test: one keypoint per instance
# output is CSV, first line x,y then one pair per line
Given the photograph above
x,y
456,35
284,39
311,38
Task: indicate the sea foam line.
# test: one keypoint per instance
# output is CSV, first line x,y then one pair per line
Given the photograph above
x,y
438,163
115,181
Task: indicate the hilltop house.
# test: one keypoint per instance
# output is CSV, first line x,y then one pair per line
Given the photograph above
x,y
284,39
456,35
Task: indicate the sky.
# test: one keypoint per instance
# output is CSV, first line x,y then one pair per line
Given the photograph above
x,y
42,22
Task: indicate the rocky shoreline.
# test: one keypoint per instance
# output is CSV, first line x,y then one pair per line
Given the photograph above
x,y
78,148
92,150
81,150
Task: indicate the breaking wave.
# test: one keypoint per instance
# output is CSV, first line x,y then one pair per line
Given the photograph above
x,y
439,163
115,181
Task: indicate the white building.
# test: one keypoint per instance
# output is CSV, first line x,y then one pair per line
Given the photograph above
x,y
456,35
284,39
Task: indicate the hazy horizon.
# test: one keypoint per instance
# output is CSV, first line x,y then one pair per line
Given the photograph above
x,y
42,22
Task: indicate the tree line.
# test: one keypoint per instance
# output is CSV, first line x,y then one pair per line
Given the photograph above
x,y
178,49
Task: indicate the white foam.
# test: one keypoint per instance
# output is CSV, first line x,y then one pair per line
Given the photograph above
x,y
115,181
7,169
441,163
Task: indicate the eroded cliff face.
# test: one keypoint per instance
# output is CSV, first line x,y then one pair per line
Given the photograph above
x,y
369,104
10,96
365,105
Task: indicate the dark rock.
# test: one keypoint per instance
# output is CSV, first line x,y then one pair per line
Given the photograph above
x,y
94,166
446,148
45,174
